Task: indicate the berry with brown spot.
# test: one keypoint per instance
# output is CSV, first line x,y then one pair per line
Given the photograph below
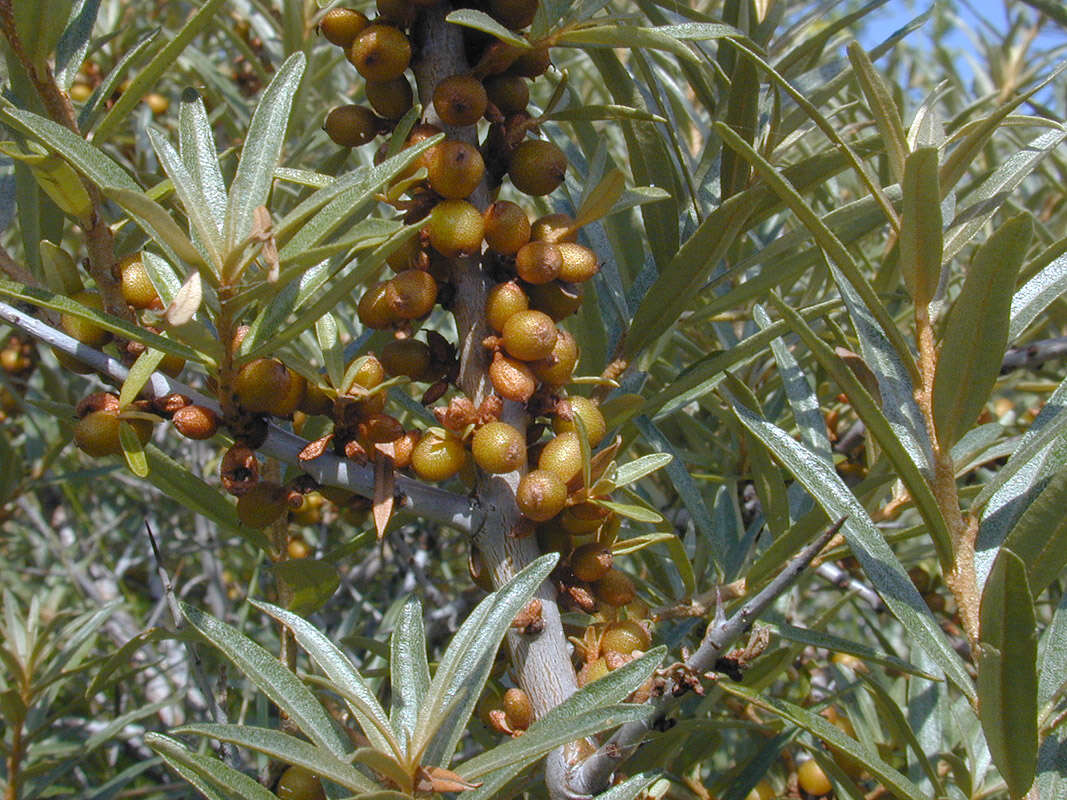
x,y
509,93
615,588
454,169
460,100
512,379
196,422
588,411
390,99
541,495
557,369
590,562
498,448
507,228
411,294
538,262
380,52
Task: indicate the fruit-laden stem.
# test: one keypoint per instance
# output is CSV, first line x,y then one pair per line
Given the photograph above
x,y
541,660
100,242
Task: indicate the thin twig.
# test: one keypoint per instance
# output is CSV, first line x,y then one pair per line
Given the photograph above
x,y
218,714
593,774
429,502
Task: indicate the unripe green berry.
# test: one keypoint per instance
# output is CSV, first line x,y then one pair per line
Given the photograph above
x,y
507,228
351,125
380,53
455,228
498,447
537,167
541,495
529,335
460,100
454,169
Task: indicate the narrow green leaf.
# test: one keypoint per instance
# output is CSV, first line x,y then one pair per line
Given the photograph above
x,y
84,157
339,669
140,372
883,108
1007,672
1037,294
161,62
1052,666
233,783
639,468
976,333
74,43
197,147
262,149
634,512
837,740
272,678
920,226
157,223
409,672
333,351
1039,538
878,560
839,644
480,21
287,749
39,25
133,450
466,663
115,78
872,416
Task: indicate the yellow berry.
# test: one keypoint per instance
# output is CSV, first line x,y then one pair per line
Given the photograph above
x,y
456,228
541,495
380,52
559,366
529,335
498,447
341,26
812,779
437,458
589,412
562,456
503,300
297,783
391,99
88,333
454,169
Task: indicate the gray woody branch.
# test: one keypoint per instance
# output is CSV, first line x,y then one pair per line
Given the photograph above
x,y
592,775
428,502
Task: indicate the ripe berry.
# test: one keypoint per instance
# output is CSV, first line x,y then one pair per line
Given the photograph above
x,y
351,125
503,300
537,167
367,372
411,294
615,588
554,228
341,26
437,458
762,791
297,547
408,357
531,63
380,53
538,262
540,495
592,671
455,228
558,300
583,518
590,562
595,425
507,228
396,12
391,99
509,93
262,504
374,310
460,100
512,379
498,447
454,169
136,286
267,386
529,335
513,14
559,366
88,333
812,779
625,637
196,422
517,709
579,263
316,402
296,783
562,456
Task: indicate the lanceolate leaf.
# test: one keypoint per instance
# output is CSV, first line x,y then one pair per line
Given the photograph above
x,y
1007,672
1052,668
263,146
409,673
209,769
1039,538
920,226
1036,295
869,546
976,333
272,678
197,147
